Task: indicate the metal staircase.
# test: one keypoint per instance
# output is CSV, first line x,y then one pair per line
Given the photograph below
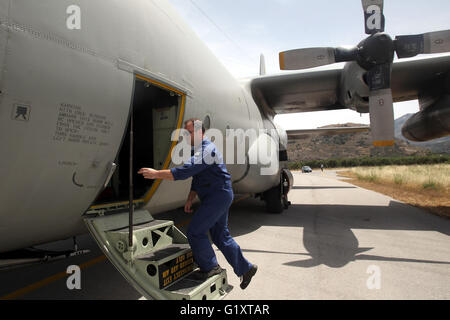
x,y
160,264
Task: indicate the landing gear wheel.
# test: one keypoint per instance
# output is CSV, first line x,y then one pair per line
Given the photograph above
x,y
274,200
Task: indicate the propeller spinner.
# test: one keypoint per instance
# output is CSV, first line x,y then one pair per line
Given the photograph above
x,y
376,55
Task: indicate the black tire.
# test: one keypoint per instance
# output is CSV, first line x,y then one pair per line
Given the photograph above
x,y
274,200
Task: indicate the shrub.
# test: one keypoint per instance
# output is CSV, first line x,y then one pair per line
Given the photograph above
x,y
371,161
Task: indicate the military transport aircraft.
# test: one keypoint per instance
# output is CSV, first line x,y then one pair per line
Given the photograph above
x,y
90,91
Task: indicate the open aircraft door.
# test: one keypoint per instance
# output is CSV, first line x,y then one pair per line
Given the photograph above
x,y
152,255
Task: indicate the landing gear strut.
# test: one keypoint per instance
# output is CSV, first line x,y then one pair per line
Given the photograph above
x,y
276,198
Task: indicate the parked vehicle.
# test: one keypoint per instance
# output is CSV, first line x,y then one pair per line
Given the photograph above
x,y
306,169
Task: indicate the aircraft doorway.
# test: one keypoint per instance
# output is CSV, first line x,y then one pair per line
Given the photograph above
x,y
157,112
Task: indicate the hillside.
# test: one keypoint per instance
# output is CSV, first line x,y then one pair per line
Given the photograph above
x,y
353,145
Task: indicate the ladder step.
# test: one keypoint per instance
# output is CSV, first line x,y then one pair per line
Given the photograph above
x,y
165,254
188,288
148,237
168,265
152,225
160,263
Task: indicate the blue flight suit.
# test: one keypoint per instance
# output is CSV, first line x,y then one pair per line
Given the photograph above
x,y
212,183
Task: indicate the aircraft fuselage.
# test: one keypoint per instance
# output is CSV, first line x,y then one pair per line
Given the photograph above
x,y
69,72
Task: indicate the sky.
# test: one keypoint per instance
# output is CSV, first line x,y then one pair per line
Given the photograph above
x,y
238,32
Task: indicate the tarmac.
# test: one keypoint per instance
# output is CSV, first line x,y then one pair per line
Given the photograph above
x,y
336,241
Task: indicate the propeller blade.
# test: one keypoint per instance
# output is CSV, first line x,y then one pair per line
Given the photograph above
x,y
431,42
381,105
373,16
382,124
306,58
379,77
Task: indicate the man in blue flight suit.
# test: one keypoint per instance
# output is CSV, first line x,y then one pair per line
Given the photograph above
x,y
211,183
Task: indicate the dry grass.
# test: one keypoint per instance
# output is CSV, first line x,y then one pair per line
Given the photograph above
x,y
424,186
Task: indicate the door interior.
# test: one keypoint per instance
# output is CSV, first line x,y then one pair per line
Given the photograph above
x,y
157,111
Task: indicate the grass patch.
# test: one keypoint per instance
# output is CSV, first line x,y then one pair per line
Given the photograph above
x,y
430,185
398,179
424,186
416,177
373,161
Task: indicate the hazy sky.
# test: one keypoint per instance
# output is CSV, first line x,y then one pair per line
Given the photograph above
x,y
239,31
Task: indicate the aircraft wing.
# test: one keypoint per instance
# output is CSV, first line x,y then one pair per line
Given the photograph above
x,y
299,92
324,89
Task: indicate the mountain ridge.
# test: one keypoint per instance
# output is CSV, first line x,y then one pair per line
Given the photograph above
x,y
355,145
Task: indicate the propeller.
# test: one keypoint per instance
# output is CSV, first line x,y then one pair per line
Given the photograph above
x,y
432,42
315,57
375,54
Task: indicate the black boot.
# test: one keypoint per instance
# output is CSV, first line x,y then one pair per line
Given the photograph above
x,y
246,278
202,275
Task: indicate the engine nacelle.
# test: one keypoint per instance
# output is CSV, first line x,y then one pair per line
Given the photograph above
x,y
354,90
431,123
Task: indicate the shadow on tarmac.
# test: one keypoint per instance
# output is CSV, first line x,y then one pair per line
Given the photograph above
x,y
327,237
327,229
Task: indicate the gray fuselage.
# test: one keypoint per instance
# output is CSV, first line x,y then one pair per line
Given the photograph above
x,y
67,80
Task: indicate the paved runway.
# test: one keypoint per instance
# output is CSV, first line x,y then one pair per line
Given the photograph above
x,y
336,241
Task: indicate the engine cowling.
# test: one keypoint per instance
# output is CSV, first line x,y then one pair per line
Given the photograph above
x,y
354,90
431,123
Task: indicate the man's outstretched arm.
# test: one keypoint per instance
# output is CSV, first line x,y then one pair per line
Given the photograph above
x,y
153,174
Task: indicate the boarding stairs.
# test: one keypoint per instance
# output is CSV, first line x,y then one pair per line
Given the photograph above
x,y
159,264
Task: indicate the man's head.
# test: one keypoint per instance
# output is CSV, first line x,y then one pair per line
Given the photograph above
x,y
196,129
